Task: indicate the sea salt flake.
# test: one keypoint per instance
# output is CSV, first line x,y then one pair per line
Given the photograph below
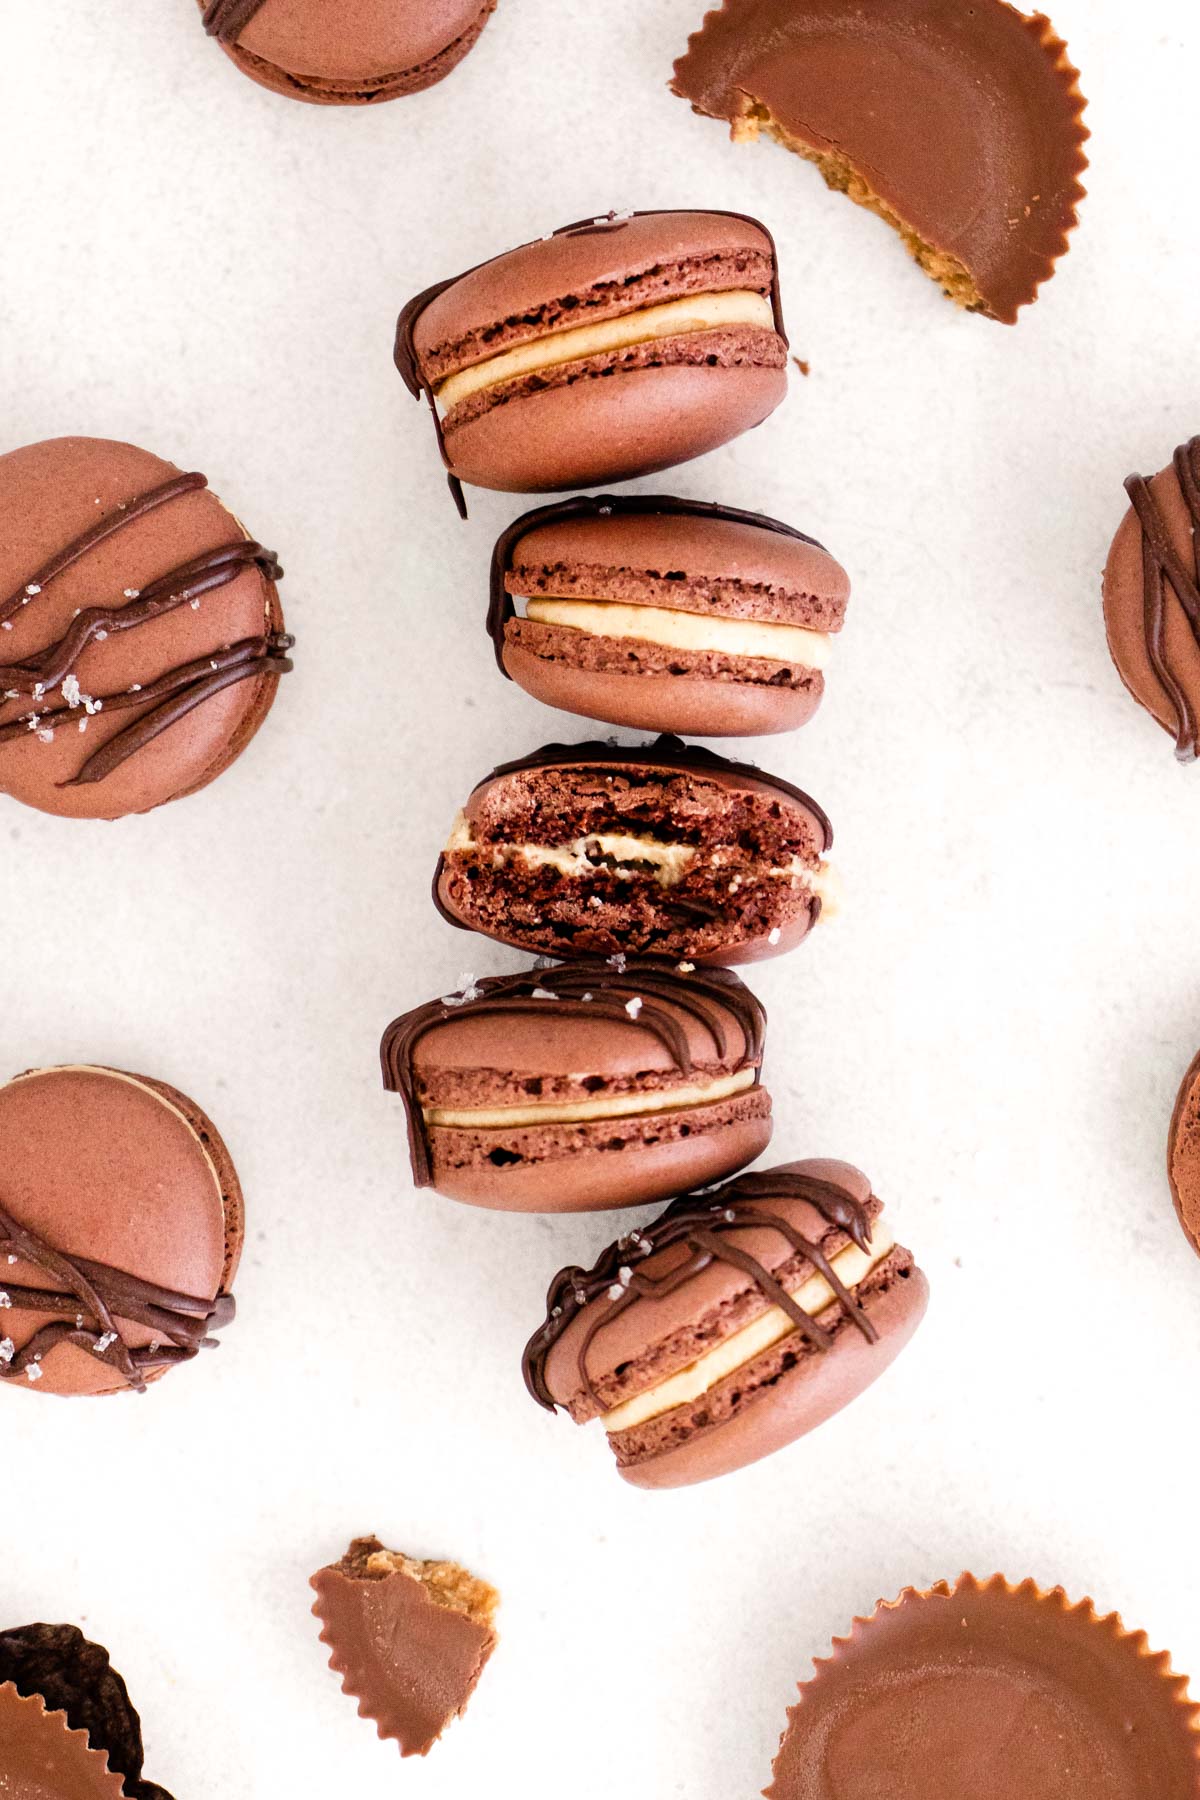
x,y
34,1371
70,690
4,1298
102,637
7,1350
541,994
195,605
617,962
83,724
729,1216
133,593
685,968
45,736
633,1007
12,1259
33,588
104,1343
6,626
135,687
774,935
595,900
79,1321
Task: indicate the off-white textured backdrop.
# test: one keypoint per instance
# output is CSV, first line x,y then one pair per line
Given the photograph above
x,y
995,1028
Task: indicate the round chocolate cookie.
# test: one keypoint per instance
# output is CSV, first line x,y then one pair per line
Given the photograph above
x,y
666,614
121,1227
611,348
1183,1155
661,849
1152,597
346,52
141,638
584,1087
738,1321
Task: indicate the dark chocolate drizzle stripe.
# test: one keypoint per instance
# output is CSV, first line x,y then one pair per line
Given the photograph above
x,y
180,691
580,990
405,352
1162,562
101,1296
501,607
227,19
701,1222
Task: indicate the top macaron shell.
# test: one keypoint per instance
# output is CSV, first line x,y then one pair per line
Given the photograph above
x,y
704,562
659,405
51,493
354,52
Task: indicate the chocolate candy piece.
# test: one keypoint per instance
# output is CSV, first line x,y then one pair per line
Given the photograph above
x,y
959,125
121,1226
409,1638
613,348
991,1691
141,639
1152,597
662,849
1183,1155
68,1729
579,1088
348,54
667,614
735,1323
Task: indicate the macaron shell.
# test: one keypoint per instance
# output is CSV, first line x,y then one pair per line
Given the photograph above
x,y
692,706
121,1170
355,38
1124,607
49,494
818,1387
1183,1155
600,1179
521,1044
634,422
363,85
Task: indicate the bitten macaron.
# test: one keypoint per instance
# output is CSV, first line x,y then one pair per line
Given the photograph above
x,y
667,614
141,635
661,849
121,1229
351,53
738,1321
583,1087
611,348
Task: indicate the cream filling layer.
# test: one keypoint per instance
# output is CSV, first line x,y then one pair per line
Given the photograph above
x,y
673,318
814,1297
615,1106
677,630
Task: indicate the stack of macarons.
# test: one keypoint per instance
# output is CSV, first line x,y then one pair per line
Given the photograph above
x,y
624,1066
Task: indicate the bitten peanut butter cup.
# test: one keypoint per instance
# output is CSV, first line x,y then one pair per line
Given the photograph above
x,y
995,1692
959,125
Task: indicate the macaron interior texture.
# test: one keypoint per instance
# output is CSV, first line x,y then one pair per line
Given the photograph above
x,y
732,1325
582,1088
662,849
668,615
610,349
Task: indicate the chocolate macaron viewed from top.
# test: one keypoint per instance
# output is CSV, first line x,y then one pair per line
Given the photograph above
x,y
141,637
610,349
738,1321
1183,1154
1152,597
984,1690
351,53
661,849
121,1227
583,1087
958,125
667,614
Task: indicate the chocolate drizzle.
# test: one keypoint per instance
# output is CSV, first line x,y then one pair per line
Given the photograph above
x,y
100,1297
405,352
1163,563
701,1222
227,19
580,990
172,696
587,506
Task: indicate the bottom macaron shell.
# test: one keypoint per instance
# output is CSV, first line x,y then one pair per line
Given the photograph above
x,y
319,90
609,1164
693,705
813,1390
1183,1155
632,423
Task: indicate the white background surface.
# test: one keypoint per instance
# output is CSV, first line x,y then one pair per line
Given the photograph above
x,y
994,1029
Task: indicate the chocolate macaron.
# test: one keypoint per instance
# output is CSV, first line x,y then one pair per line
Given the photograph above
x,y
121,1227
141,637
660,849
667,614
1183,1154
351,53
609,349
583,1087
1152,597
738,1321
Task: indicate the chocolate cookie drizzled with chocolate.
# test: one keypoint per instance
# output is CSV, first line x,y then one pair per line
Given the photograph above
x,y
170,697
702,1223
587,988
227,19
92,1299
1162,562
